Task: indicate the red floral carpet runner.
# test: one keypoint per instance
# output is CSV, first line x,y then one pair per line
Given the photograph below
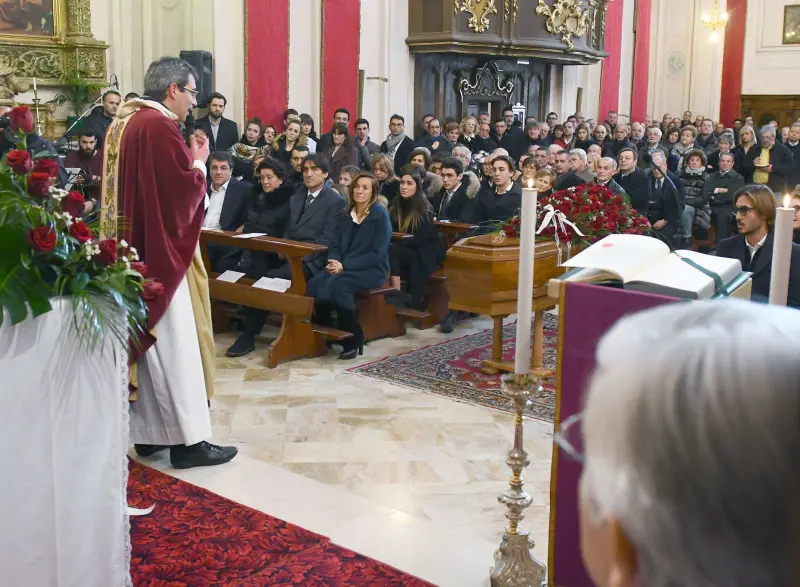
x,y
197,538
453,369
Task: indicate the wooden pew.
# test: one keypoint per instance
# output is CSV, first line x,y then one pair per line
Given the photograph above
x,y
297,337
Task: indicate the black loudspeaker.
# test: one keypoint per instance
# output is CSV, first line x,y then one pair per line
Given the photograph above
x,y
201,61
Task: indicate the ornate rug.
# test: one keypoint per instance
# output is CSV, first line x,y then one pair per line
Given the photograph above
x,y
453,369
198,538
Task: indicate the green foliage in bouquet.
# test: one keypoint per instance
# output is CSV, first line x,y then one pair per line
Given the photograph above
x,y
47,250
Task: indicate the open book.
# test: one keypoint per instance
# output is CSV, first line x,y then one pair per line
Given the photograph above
x,y
644,263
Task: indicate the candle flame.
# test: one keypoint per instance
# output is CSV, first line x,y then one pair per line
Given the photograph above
x,y
787,201
530,184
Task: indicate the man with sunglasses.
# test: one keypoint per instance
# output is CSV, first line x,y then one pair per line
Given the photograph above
x,y
754,206
156,183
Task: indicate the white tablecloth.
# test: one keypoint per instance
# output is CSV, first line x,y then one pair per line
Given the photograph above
x,y
63,444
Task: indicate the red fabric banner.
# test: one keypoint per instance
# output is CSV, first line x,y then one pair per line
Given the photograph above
x,y
641,63
267,59
733,62
609,81
341,32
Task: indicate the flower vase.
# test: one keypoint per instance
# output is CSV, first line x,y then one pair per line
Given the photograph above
x,y
64,428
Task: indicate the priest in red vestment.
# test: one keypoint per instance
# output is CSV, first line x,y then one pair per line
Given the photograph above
x,y
153,197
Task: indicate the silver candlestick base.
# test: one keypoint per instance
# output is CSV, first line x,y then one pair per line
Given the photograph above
x,y
515,565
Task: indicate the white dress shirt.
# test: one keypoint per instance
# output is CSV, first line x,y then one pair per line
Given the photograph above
x,y
214,208
754,248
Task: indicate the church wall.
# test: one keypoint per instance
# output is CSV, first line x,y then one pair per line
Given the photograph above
x,y
626,59
769,66
685,65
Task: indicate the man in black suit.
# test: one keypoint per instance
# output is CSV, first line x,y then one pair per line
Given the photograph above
x,y
398,145
633,180
667,199
502,198
226,204
719,189
222,133
453,202
755,215
314,213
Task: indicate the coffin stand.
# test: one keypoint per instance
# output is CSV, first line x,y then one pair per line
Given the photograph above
x,y
482,277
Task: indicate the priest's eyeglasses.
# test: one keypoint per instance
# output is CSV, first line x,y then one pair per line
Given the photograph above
x,y
569,437
190,90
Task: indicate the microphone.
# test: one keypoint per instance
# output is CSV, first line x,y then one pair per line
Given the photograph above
x,y
114,81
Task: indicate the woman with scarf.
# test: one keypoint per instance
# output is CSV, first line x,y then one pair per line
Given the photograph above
x,y
688,135
414,258
246,149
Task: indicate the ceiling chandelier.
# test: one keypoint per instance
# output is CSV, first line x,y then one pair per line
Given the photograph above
x,y
715,21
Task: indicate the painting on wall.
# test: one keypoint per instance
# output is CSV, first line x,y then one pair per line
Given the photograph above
x,y
791,25
31,18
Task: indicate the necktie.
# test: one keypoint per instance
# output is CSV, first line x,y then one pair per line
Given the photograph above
x,y
659,183
309,199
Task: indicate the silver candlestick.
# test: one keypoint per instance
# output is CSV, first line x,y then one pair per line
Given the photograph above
x,y
36,106
515,565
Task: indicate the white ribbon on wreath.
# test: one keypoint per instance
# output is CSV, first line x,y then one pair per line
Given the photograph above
x,y
558,220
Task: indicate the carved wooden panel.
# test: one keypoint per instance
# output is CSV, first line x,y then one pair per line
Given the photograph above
x,y
763,109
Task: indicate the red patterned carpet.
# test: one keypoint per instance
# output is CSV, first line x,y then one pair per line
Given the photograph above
x,y
453,369
197,538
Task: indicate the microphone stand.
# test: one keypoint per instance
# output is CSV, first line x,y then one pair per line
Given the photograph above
x,y
81,117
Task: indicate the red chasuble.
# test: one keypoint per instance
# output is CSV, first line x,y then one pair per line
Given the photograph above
x,y
160,197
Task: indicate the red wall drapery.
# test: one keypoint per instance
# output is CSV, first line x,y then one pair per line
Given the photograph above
x,y
733,61
341,31
267,59
609,81
641,63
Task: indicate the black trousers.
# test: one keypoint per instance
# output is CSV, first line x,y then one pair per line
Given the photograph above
x,y
348,321
723,219
405,262
254,319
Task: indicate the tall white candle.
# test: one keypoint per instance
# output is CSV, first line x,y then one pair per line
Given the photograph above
x,y
522,354
781,253
34,84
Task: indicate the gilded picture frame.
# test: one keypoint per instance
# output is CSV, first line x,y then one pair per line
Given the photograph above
x,y
34,50
791,24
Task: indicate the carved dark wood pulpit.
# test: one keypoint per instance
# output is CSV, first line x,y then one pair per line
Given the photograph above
x,y
476,55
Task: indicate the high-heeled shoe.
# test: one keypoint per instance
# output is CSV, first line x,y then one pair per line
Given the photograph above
x,y
351,354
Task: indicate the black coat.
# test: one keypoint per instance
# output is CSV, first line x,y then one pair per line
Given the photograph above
x,y
782,161
746,166
227,134
615,146
667,203
477,144
731,181
267,213
713,160
761,266
435,145
458,208
637,185
390,189
569,180
491,207
317,224
363,251
794,176
401,155
98,123
427,243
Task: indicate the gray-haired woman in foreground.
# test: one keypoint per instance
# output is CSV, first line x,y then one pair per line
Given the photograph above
x,y
692,439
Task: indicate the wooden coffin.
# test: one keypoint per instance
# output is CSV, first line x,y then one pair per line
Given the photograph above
x,y
482,273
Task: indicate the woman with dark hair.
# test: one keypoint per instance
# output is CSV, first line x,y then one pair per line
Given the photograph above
x,y
420,156
307,128
269,134
358,260
417,257
284,143
341,151
383,170
693,174
246,149
267,212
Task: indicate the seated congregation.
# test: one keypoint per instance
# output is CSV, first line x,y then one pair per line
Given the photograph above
x,y
379,218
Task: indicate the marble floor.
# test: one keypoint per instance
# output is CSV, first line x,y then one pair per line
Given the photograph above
x,y
405,477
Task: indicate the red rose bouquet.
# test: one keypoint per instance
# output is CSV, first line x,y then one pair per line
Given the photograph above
x,y
48,250
582,215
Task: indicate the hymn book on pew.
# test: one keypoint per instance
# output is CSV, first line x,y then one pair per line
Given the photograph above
x,y
646,264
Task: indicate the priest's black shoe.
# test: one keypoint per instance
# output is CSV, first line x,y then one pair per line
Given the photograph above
x,y
202,454
244,345
148,450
